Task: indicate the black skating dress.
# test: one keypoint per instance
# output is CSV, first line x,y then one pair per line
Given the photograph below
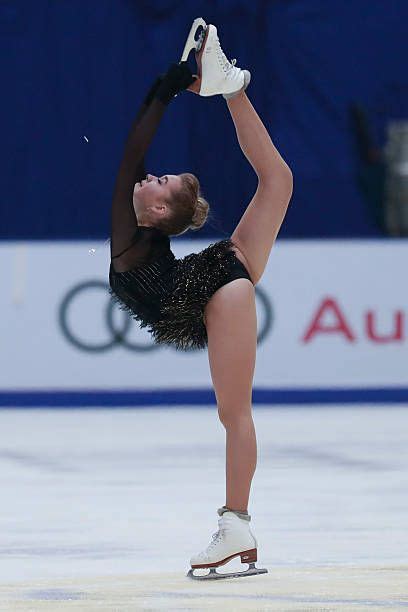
x,y
164,294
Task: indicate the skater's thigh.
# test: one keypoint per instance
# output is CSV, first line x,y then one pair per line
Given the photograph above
x,y
258,227
231,324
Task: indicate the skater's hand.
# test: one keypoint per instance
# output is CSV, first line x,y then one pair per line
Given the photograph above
x,y
178,78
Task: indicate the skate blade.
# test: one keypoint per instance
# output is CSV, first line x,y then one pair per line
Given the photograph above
x,y
214,575
191,42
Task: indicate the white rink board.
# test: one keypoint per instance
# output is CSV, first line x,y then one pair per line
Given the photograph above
x,y
339,319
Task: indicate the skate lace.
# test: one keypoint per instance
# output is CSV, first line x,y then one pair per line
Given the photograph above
x,y
225,64
215,539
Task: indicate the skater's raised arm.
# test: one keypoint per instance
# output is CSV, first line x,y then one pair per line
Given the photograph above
x,y
131,169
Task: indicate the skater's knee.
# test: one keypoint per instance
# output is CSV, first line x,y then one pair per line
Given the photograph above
x,y
235,416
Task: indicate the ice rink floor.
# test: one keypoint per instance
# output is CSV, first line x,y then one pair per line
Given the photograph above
x,y
102,509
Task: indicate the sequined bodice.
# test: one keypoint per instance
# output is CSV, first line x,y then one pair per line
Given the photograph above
x,y
141,289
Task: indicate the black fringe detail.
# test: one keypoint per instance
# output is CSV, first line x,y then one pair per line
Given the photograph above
x,y
134,307
196,278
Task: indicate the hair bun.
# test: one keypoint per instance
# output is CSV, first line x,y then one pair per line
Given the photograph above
x,y
200,213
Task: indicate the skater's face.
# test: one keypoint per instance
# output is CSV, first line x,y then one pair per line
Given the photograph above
x,y
152,195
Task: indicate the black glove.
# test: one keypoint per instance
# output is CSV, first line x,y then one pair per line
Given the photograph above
x,y
177,78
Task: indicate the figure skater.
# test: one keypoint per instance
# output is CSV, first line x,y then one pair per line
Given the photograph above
x,y
206,299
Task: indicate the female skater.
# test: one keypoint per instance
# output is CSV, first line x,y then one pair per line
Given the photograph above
x,y
206,299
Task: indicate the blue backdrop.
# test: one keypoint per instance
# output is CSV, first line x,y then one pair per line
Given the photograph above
x,y
78,69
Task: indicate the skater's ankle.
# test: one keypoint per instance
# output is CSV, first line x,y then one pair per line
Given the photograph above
x,y
234,95
242,514
241,91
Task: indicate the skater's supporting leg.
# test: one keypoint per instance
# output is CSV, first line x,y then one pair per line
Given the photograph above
x,y
240,461
232,329
258,228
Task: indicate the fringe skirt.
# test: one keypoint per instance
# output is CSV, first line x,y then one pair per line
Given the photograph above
x,y
174,313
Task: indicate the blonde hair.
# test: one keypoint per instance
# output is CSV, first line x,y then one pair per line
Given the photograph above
x,y
189,210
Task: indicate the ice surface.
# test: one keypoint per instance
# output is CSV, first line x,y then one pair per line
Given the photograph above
x,y
114,492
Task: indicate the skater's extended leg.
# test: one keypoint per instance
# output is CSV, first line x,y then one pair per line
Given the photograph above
x,y
232,332
258,228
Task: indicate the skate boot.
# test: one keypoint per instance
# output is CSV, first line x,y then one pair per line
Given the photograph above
x,y
216,75
234,538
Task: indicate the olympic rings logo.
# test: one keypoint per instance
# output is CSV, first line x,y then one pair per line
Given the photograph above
x,y
119,333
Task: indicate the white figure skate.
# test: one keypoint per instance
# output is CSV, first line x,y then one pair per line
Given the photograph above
x,y
216,75
233,539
